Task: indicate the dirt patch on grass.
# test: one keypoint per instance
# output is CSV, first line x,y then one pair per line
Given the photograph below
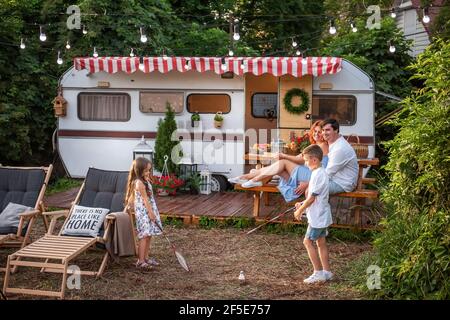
x,y
274,265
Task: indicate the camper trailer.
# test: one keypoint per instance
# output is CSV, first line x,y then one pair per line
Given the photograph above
x,y
111,103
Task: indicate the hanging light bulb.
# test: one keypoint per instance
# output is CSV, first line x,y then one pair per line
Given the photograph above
x,y
242,64
236,35
84,29
230,53
22,44
426,17
391,47
132,52
223,66
393,13
354,29
95,54
42,35
67,45
165,57
304,61
143,36
188,66
141,64
59,60
298,52
294,43
332,29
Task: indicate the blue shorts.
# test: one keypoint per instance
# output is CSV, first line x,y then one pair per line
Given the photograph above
x,y
301,173
314,234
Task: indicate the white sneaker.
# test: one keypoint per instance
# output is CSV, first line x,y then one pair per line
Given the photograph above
x,y
251,184
315,277
328,275
237,180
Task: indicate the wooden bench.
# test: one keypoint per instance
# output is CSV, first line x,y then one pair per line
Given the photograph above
x,y
360,193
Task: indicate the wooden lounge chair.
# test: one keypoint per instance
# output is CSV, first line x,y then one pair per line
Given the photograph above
x,y
25,186
54,253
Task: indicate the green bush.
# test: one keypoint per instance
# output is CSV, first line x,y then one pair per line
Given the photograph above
x,y
413,250
167,143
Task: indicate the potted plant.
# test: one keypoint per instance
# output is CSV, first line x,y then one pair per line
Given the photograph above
x,y
167,185
195,119
298,144
193,183
218,119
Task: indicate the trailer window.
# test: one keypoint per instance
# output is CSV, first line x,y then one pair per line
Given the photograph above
x,y
104,107
342,108
208,103
264,105
155,102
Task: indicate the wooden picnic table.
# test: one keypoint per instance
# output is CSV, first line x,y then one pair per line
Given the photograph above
x,y
359,193
362,163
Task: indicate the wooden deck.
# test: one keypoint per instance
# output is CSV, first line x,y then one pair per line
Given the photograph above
x,y
240,204
228,205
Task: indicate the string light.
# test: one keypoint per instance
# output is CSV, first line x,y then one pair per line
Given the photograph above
x,y
141,64
332,29
294,43
59,60
391,47
223,66
304,61
188,66
143,36
42,35
236,35
426,17
242,64
393,13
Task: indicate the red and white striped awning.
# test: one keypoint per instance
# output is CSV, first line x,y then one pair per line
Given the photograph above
x,y
276,66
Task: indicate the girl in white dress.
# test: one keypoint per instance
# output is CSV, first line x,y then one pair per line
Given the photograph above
x,y
140,197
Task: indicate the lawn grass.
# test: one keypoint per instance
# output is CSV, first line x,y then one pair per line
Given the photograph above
x,y
63,184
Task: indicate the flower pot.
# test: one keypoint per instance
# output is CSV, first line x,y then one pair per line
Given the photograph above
x,y
162,192
218,124
195,124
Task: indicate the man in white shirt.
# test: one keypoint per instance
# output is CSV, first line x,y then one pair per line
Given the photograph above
x,y
342,168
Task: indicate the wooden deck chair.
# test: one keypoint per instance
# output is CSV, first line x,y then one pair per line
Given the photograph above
x,y
54,253
23,186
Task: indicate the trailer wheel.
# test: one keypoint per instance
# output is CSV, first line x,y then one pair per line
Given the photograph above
x,y
218,183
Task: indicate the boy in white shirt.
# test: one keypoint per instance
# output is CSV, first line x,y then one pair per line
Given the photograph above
x,y
318,212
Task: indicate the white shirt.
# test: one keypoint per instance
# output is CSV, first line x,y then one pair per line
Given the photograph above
x,y
319,212
342,165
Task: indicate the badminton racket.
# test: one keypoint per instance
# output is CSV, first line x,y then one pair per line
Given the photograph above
x,y
274,218
179,256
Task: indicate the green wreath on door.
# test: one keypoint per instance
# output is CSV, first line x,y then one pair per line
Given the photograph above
x,y
297,109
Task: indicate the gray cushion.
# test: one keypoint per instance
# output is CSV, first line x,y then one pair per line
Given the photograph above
x,y
85,221
105,189
20,186
9,217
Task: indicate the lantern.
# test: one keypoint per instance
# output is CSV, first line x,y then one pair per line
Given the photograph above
x,y
205,181
142,149
187,168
